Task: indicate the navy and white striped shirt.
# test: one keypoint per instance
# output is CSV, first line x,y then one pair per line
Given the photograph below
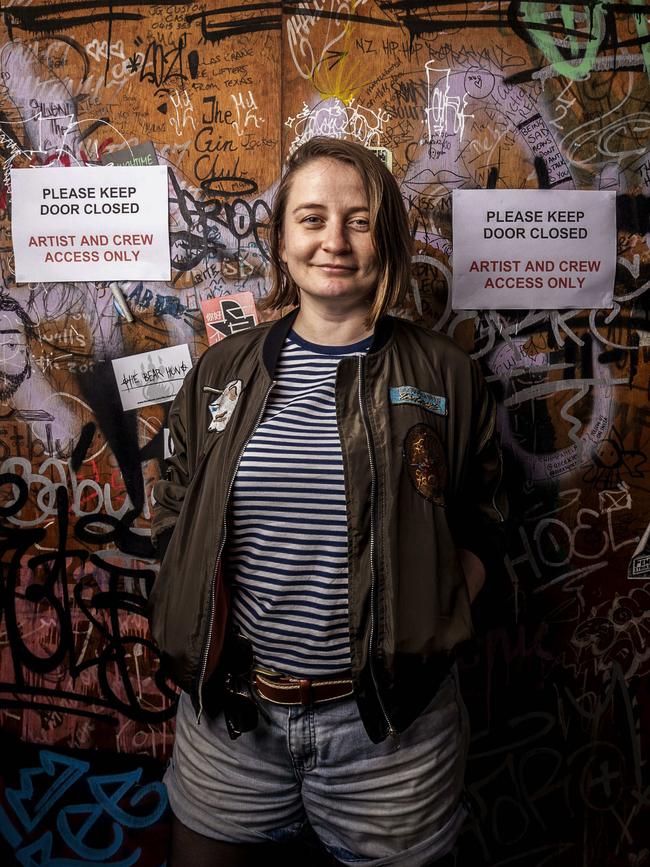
x,y
288,540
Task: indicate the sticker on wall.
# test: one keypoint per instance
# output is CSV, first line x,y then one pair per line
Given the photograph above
x,y
228,315
639,565
139,155
533,249
151,377
168,443
100,223
385,155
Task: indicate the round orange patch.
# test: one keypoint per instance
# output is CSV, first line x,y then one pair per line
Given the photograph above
x,y
426,463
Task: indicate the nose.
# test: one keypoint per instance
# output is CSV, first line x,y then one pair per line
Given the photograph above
x,y
336,239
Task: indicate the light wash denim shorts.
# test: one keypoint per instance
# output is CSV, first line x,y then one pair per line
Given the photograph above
x,y
393,803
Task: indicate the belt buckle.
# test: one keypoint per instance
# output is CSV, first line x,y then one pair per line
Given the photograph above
x,y
274,680
305,691
303,686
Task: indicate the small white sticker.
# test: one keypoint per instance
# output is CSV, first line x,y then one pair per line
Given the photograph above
x,y
168,447
151,377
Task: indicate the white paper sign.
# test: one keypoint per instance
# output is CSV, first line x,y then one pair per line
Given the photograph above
x,y
93,223
151,377
533,249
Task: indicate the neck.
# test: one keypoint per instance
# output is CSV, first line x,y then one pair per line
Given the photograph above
x,y
331,327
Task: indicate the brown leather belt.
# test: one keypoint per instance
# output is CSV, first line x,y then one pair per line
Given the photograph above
x,y
281,689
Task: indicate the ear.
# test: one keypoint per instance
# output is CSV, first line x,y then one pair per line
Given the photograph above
x,y
281,248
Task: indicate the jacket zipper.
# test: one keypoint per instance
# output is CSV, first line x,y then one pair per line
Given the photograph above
x,y
206,649
373,577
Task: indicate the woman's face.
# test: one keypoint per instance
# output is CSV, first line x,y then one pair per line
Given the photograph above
x,y
326,240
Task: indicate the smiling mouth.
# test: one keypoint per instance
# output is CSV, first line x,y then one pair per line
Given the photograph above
x,y
339,269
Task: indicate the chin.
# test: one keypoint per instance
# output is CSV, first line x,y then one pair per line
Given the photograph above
x,y
343,295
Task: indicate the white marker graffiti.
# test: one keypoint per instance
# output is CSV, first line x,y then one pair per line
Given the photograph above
x,y
246,109
440,105
184,111
336,119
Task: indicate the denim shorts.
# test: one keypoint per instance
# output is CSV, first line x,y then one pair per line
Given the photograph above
x,y
393,803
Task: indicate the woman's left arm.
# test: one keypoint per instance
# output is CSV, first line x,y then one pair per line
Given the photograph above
x,y
474,572
480,520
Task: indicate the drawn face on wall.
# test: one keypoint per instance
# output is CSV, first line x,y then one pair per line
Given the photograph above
x,y
15,366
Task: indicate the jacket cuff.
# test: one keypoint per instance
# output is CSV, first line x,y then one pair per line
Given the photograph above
x,y
161,542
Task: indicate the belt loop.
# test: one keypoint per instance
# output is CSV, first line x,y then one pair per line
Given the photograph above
x,y
305,691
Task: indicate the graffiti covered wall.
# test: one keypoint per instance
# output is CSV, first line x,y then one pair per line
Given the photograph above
x,y
463,95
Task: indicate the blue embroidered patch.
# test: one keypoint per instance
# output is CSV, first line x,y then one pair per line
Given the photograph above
x,y
410,394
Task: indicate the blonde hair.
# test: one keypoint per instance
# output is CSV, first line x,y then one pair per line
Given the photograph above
x,y
388,225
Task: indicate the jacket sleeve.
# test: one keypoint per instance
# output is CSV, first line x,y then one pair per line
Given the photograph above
x,y
480,515
169,492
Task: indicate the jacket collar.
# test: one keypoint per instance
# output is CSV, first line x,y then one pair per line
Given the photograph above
x,y
383,333
278,332
274,340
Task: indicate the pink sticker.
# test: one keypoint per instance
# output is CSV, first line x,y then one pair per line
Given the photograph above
x,y
228,314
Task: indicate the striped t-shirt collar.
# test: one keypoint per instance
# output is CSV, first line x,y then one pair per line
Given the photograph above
x,y
278,332
321,349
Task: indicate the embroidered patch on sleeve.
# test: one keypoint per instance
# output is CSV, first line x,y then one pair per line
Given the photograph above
x,y
426,463
222,407
410,394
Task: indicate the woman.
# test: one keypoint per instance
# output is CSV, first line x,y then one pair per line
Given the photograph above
x,y
331,503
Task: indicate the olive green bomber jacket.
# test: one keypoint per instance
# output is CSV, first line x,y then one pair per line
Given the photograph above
x,y
422,473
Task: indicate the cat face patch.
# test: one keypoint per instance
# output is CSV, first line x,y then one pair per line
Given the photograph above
x,y
222,407
425,460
